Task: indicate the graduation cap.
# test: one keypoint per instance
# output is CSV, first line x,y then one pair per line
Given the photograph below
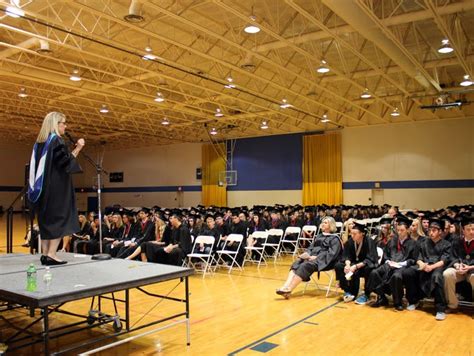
x,y
145,210
467,220
437,223
386,220
108,210
403,220
128,213
359,226
411,215
448,218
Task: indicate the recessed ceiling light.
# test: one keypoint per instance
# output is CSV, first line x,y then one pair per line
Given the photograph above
x,y
165,121
252,27
213,131
323,68
218,113
365,94
467,81
284,104
230,84
159,97
75,77
325,118
395,112
104,109
264,125
22,93
445,47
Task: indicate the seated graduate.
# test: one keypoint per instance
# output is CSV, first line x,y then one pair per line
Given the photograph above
x,y
145,231
178,246
209,230
236,227
128,228
359,258
385,233
400,254
116,229
416,231
69,242
321,255
223,230
88,244
257,224
160,227
433,259
461,267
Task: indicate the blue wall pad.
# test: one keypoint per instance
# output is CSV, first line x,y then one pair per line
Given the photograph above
x,y
268,163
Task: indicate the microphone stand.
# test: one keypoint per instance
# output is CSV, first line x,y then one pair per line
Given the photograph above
x,y
99,169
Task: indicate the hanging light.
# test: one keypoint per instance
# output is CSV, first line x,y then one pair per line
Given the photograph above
x,y
218,113
365,94
467,81
264,125
252,27
104,109
75,77
445,47
325,118
284,104
395,113
134,13
159,97
149,56
213,131
323,67
165,121
22,93
14,9
230,84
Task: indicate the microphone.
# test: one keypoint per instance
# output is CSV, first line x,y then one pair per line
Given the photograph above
x,y
68,135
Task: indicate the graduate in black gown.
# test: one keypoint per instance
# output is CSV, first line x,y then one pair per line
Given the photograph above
x,y
178,247
144,231
51,190
433,259
400,254
359,258
321,255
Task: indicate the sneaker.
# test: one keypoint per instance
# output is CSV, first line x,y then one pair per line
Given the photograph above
x,y
412,307
362,299
440,316
348,297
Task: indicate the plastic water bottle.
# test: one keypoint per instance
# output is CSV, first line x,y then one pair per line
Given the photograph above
x,y
48,278
31,278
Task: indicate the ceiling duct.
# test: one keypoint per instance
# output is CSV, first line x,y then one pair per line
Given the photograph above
x,y
248,64
44,47
368,27
134,12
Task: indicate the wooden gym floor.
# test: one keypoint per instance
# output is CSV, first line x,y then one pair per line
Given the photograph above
x,y
240,313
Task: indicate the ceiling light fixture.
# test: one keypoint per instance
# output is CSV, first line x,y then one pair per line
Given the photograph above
x,y
165,121
252,27
213,131
395,113
323,67
22,93
325,118
467,81
75,77
159,97
14,9
264,125
365,94
134,12
230,84
104,109
445,47
218,113
149,56
284,104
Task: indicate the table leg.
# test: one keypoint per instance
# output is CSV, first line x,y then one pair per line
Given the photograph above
x,y
46,330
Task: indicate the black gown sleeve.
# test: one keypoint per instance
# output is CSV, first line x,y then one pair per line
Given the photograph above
x,y
63,158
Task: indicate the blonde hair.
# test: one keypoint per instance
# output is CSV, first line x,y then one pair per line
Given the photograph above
x,y
119,221
332,223
50,124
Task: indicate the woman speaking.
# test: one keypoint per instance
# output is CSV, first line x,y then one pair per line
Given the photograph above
x,y
50,188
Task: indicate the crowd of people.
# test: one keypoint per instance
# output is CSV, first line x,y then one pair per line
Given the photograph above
x,y
412,255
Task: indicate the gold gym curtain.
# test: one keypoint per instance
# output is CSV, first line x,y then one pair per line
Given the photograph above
x,y
212,164
322,169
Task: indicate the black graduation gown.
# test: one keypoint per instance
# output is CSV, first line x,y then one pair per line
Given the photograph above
x,y
56,207
459,252
179,236
327,248
431,253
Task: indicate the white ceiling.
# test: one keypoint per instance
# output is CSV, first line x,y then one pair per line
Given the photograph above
x,y
387,46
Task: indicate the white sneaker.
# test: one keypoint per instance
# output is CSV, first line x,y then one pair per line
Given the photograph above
x,y
440,316
412,307
348,297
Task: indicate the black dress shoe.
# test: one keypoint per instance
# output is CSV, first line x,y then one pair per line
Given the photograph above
x,y
380,302
52,262
398,307
43,259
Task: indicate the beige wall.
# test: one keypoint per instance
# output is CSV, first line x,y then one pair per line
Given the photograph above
x,y
435,150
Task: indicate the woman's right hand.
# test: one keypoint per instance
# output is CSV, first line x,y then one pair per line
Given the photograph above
x,y
81,143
